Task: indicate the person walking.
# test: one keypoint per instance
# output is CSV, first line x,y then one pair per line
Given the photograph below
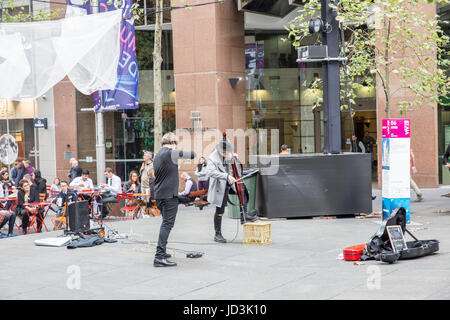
x,y
416,189
166,192
202,175
369,142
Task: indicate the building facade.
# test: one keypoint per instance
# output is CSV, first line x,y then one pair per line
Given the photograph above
x,y
225,66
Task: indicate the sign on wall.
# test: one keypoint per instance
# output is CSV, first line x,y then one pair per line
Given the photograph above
x,y
396,166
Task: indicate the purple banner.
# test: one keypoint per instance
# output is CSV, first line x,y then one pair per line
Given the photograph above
x,y
86,5
254,56
126,94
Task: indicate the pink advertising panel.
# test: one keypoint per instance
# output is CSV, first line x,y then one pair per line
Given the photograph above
x,y
396,128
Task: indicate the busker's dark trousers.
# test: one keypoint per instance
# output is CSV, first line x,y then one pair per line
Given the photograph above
x,y
169,209
221,210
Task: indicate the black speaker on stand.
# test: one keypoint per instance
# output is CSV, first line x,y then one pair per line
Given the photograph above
x,y
79,221
78,214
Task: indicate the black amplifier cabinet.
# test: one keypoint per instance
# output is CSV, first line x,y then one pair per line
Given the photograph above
x,y
311,185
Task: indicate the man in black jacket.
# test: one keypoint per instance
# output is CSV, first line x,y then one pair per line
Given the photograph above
x,y
75,170
65,197
26,195
166,192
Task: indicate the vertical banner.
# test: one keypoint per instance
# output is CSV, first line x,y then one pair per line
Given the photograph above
x,y
126,94
396,166
80,4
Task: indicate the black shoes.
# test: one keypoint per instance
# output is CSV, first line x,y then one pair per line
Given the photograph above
x,y
219,238
163,263
167,256
248,218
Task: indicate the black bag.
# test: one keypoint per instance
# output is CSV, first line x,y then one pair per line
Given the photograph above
x,y
85,241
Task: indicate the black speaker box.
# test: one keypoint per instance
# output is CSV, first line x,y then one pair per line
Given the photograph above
x,y
79,216
309,185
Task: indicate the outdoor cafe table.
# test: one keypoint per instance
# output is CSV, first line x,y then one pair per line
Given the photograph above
x,y
93,194
38,204
141,199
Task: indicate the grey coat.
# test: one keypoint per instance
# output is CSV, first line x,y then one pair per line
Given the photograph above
x,y
218,176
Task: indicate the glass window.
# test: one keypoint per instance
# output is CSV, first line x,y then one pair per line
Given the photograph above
x,y
16,119
149,16
280,93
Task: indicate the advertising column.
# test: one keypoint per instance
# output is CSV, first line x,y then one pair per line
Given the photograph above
x,y
396,166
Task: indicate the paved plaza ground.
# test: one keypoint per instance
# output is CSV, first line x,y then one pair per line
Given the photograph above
x,y
300,263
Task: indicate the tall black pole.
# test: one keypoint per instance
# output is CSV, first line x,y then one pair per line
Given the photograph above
x,y
330,71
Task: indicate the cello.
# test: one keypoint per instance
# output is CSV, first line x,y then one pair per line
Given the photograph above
x,y
241,190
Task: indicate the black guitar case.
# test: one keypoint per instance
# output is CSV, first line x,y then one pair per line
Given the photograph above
x,y
379,247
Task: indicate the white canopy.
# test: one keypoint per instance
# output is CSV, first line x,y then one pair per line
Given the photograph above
x,y
34,56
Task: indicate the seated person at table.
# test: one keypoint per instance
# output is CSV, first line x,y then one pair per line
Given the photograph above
x,y
64,197
113,186
132,185
190,185
6,188
40,183
29,178
27,195
5,215
55,188
83,182
5,181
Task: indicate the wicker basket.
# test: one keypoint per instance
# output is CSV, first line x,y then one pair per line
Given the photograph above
x,y
257,233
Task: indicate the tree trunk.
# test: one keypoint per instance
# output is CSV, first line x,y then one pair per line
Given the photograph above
x,y
387,88
157,88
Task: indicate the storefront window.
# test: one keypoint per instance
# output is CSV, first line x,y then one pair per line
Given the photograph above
x,y
149,12
286,95
16,119
278,91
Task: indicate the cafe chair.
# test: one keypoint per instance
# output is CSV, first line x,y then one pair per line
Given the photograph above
x,y
130,208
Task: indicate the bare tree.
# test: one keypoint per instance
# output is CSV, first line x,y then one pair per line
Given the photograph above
x,y
157,88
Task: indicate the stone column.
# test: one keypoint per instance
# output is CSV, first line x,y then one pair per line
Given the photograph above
x,y
424,125
64,98
208,49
